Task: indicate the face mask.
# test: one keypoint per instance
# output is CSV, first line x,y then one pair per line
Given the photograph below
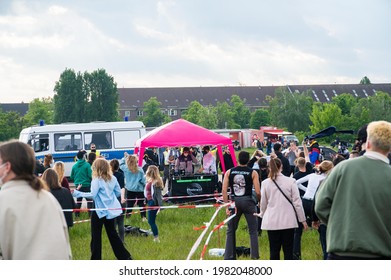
x,y
4,175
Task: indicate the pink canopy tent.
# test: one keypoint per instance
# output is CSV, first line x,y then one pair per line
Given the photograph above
x,y
183,133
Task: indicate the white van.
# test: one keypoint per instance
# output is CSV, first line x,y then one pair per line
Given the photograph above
x,y
63,141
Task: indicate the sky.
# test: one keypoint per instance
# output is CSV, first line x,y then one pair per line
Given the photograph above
x,y
195,43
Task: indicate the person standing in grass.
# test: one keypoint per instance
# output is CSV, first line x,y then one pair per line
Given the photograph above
x,y
240,180
32,224
281,210
63,195
354,201
104,191
153,194
119,221
81,177
313,181
134,182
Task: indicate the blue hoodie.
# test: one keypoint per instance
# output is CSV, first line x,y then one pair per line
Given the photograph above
x,y
134,182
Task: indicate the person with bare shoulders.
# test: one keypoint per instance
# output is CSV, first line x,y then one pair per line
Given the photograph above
x,y
240,180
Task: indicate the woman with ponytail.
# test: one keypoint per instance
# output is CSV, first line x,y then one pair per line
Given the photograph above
x,y
32,224
281,210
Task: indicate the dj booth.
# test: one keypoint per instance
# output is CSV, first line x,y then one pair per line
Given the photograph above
x,y
196,184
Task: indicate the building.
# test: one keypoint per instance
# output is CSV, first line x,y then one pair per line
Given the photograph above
x,y
176,100
20,108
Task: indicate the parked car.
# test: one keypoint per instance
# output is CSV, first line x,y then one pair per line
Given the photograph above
x,y
291,137
327,153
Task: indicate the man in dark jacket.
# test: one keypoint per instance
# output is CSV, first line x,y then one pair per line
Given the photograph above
x,y
286,168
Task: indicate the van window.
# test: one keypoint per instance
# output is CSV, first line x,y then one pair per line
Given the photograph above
x,y
101,139
125,139
39,142
67,142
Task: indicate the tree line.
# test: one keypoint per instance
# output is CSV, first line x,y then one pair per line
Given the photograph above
x,y
85,97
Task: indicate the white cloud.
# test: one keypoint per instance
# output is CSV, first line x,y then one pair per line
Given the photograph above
x,y
57,10
186,43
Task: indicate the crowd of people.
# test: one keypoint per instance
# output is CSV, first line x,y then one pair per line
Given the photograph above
x,y
281,192
344,199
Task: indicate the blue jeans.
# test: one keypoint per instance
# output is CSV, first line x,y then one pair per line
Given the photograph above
x,y
152,218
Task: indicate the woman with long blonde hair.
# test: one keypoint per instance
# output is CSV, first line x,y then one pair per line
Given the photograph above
x,y
104,191
59,167
153,194
134,182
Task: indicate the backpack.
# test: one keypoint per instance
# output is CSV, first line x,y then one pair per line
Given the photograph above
x,y
157,196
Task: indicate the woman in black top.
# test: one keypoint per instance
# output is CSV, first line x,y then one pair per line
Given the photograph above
x,y
63,195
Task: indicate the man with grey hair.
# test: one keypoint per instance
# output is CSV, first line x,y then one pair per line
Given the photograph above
x,y
354,201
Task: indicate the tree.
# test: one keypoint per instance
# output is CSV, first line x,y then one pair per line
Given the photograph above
x,y
260,117
11,125
102,93
69,100
325,115
84,98
209,117
153,114
224,115
365,81
39,109
345,102
241,114
194,112
373,108
290,110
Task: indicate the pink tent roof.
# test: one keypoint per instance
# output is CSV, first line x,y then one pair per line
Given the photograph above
x,y
182,133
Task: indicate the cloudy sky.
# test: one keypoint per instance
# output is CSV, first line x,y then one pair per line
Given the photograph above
x,y
183,43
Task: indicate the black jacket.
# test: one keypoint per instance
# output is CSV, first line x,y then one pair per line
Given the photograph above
x,y
286,167
66,201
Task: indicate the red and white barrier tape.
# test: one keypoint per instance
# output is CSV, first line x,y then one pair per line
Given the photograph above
x,y
198,241
212,231
143,208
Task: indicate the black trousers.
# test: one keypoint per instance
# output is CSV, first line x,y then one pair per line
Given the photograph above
x,y
281,238
118,247
131,196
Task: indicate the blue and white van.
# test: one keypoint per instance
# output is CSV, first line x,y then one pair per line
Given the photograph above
x,y
63,141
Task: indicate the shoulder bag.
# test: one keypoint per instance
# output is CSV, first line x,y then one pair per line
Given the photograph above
x,y
294,209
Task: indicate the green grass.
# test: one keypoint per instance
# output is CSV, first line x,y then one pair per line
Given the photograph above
x,y
177,237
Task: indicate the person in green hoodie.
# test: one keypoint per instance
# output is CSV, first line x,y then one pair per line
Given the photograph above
x,y
354,201
81,174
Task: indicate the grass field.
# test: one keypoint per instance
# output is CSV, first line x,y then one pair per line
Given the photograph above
x,y
177,237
